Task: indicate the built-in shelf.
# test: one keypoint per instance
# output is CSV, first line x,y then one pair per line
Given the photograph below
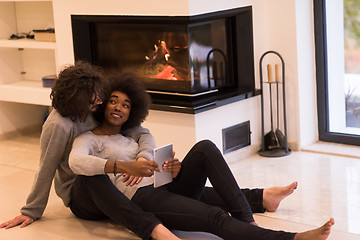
x,y
26,43
21,73
28,92
25,1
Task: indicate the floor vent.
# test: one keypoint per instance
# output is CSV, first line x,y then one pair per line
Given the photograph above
x,y
236,137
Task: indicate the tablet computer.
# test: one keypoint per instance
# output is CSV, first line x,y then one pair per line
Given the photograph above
x,y
162,154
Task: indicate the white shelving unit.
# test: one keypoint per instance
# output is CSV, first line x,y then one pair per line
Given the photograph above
x,y
29,92
26,43
24,62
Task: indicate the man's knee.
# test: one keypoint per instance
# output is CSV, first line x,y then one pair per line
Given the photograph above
x,y
217,217
92,179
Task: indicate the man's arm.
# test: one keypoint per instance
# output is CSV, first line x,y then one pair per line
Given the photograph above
x,y
145,151
145,140
53,144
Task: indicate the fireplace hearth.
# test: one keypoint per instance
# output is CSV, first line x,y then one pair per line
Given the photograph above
x,y
187,63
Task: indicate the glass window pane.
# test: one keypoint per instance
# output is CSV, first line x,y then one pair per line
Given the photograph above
x,y
343,55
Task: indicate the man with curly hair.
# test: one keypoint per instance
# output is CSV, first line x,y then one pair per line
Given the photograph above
x,y
76,94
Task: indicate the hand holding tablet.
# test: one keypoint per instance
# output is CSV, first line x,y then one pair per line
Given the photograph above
x,y
162,154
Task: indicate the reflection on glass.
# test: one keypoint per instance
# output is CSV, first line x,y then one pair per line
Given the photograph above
x,y
208,53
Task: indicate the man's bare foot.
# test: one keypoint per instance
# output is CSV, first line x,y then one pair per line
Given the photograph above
x,y
320,233
160,232
254,223
274,195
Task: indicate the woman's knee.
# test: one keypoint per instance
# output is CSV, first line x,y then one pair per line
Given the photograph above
x,y
200,155
205,145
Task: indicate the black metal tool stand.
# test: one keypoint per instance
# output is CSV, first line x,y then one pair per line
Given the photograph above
x,y
279,146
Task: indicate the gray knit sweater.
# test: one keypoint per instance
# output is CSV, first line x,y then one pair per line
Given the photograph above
x,y
58,134
90,153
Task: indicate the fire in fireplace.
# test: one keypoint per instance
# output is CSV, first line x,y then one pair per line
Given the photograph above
x,y
192,56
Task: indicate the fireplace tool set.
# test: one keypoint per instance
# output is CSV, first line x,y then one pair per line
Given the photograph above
x,y
274,142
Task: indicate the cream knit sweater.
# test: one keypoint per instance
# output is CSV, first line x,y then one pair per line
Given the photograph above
x,y
90,153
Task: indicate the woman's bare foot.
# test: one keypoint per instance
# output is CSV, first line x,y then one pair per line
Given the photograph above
x,y
320,233
160,232
274,195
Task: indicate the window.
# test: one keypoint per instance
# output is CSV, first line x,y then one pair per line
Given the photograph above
x,y
337,42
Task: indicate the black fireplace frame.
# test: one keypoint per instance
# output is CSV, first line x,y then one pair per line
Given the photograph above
x,y
241,55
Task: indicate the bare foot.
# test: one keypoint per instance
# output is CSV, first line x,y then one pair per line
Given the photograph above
x,y
254,223
160,232
274,195
320,233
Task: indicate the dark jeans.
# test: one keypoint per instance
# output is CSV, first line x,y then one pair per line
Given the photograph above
x,y
97,198
185,204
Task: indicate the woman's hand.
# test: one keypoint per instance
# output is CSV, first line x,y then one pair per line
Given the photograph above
x,y
21,220
137,168
172,165
132,180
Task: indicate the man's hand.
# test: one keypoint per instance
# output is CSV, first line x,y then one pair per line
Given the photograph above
x,y
131,180
254,223
21,220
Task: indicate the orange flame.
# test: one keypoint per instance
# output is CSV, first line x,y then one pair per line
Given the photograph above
x,y
157,57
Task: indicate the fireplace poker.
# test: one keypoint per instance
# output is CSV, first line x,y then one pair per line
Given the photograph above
x,y
270,137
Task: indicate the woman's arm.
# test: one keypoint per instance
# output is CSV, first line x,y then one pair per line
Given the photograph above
x,y
137,168
82,162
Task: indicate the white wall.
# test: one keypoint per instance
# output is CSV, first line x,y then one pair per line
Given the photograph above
x,y
306,83
209,124
281,25
16,118
170,127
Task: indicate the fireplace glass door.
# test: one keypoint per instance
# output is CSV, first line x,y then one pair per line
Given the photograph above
x,y
182,58
175,57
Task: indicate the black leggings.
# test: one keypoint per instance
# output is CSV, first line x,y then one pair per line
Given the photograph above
x,y
185,204
97,198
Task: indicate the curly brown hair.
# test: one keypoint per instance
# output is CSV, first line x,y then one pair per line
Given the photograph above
x,y
131,85
75,87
